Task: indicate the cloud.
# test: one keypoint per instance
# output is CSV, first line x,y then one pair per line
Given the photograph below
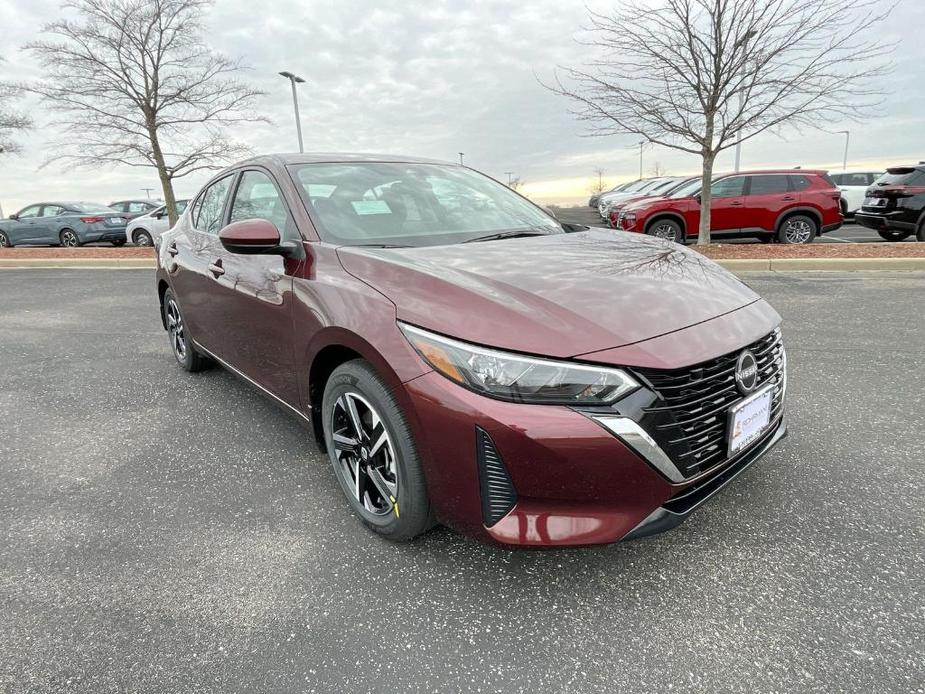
x,y
434,79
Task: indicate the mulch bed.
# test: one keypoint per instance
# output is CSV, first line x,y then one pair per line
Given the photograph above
x,y
723,251
763,251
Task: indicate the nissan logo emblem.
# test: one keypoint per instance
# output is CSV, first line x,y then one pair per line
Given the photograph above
x,y
746,372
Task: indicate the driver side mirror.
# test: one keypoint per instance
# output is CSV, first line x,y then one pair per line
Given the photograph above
x,y
254,237
14,216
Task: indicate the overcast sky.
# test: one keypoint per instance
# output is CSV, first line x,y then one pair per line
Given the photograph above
x,y
439,77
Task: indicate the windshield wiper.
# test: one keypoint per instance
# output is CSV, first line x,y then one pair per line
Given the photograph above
x,y
377,245
508,235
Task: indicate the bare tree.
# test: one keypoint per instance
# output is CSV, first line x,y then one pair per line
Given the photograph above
x,y
598,185
12,122
516,183
696,75
658,170
134,83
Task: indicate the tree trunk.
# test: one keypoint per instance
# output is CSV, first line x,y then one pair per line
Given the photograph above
x,y
706,190
164,175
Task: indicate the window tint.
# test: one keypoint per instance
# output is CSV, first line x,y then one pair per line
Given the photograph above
x,y
799,182
30,212
853,179
211,204
872,178
768,185
52,210
258,198
137,207
901,176
838,179
728,187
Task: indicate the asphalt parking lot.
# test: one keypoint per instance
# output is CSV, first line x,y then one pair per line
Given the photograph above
x,y
168,532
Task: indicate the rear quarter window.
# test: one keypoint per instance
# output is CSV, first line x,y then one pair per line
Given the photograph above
x,y
800,182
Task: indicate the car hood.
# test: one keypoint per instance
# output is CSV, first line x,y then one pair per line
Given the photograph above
x,y
560,295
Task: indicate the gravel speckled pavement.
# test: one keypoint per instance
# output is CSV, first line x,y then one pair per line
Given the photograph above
x,y
167,532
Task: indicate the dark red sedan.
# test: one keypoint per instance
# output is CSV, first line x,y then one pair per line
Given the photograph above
x,y
464,358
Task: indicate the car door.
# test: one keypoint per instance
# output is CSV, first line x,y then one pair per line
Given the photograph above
x,y
253,295
767,196
727,204
190,253
27,227
46,226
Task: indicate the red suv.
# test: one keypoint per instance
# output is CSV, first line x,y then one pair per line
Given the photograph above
x,y
463,359
791,206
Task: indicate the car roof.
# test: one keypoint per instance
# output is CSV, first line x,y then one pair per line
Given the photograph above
x,y
66,203
284,159
759,172
146,201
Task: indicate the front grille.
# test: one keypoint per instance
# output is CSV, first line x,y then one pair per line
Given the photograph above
x,y
689,418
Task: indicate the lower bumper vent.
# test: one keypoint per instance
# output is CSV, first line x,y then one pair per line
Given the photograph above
x,y
498,495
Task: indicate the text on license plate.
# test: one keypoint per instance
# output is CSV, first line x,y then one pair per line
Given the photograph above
x,y
116,220
748,419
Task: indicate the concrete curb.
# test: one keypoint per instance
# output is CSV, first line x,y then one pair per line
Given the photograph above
x,y
734,265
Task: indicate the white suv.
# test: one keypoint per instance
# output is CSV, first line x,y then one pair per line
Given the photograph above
x,y
853,184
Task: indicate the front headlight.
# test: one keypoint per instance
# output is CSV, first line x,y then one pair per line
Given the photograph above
x,y
518,378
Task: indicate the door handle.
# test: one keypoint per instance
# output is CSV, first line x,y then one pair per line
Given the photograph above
x,y
735,204
216,269
172,250
788,198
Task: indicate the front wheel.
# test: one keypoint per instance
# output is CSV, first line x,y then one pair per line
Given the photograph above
x,y
894,235
142,238
5,240
68,238
797,229
666,229
374,456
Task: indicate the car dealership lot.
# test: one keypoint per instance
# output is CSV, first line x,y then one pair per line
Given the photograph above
x,y
168,532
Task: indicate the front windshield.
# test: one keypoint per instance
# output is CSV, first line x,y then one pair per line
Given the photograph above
x,y
686,189
399,204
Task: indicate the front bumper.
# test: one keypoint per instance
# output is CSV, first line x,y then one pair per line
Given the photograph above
x,y
576,482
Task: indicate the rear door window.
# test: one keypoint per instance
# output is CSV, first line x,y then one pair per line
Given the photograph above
x,y
211,206
799,182
768,185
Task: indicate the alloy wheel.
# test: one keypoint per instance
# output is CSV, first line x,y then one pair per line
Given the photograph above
x,y
664,231
175,330
798,231
363,454
4,241
142,238
69,239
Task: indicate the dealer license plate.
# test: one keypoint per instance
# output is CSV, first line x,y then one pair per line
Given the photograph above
x,y
749,419
116,220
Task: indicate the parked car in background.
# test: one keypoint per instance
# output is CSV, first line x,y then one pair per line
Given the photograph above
x,y
63,224
592,201
134,208
670,185
634,188
853,186
144,230
473,363
895,204
788,206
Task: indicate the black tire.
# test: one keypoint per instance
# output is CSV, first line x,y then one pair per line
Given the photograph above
x,y
894,235
118,243
797,229
141,237
920,234
407,512
5,241
667,229
188,357
69,238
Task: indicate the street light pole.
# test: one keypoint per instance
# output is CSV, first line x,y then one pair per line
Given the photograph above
x,y
461,158
844,166
509,179
641,143
293,80
148,192
742,42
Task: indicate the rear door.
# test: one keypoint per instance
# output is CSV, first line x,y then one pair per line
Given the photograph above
x,y
193,248
47,225
253,294
767,197
727,202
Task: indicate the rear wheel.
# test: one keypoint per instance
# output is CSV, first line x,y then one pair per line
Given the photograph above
x,y
797,229
141,237
667,229
5,240
68,238
894,235
920,235
374,456
187,355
